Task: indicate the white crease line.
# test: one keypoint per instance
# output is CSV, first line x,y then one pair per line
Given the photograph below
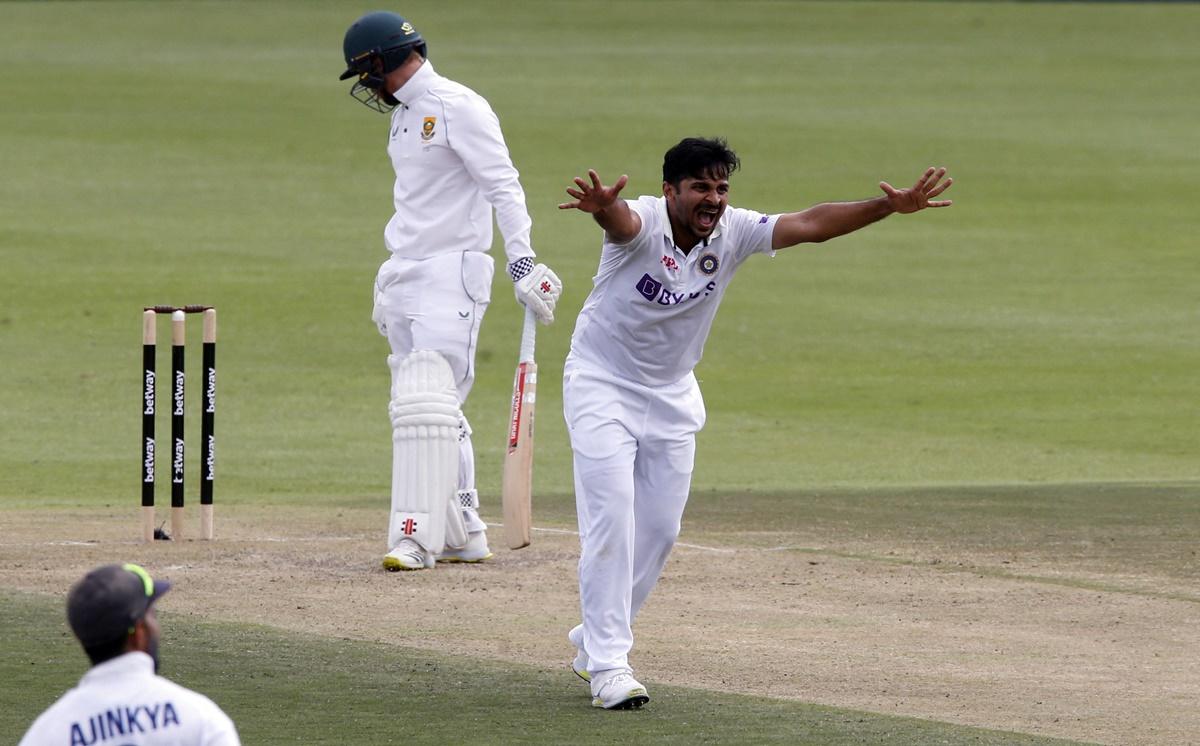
x,y
69,544
246,539
704,548
306,538
298,539
576,533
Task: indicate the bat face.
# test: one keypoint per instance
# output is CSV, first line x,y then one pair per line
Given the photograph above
x,y
518,461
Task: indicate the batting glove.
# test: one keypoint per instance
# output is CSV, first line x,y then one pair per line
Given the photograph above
x,y
536,286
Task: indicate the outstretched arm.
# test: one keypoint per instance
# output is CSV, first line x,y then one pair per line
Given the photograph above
x,y
832,219
620,223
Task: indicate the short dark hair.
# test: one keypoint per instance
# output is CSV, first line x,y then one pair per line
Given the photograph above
x,y
699,158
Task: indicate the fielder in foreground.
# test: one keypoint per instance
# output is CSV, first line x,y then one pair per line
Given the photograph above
x,y
452,169
630,399
122,699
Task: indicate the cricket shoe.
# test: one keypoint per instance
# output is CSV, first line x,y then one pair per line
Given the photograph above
x,y
408,555
616,689
580,664
476,550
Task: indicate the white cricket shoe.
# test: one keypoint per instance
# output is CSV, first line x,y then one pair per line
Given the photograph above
x,y
580,664
408,555
616,689
476,550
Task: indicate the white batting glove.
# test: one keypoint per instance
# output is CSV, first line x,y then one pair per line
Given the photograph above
x,y
537,287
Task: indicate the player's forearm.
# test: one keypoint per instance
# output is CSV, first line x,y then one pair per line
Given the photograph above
x,y
618,222
498,181
515,225
828,220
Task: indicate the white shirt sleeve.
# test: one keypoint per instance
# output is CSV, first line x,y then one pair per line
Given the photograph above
x,y
751,232
219,729
644,207
473,131
37,732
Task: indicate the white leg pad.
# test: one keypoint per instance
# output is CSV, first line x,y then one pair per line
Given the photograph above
x,y
456,527
425,452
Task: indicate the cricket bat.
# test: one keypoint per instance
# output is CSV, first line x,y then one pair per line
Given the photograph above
x,y
517,490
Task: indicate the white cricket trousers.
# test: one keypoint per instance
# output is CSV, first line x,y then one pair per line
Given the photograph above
x,y
438,304
634,448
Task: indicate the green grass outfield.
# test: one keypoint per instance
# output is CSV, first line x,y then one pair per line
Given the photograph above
x,y
1043,331
305,689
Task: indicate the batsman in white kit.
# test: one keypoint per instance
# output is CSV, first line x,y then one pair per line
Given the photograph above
x,y
630,398
452,169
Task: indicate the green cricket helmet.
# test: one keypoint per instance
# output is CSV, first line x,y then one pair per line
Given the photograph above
x,y
375,45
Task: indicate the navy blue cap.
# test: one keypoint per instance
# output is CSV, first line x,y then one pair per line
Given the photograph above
x,y
105,604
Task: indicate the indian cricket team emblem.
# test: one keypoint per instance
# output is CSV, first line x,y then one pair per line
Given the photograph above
x,y
427,128
709,264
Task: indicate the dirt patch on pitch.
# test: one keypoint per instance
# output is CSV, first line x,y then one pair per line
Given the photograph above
x,y
971,640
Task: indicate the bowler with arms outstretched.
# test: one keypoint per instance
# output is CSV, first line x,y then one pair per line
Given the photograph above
x,y
630,398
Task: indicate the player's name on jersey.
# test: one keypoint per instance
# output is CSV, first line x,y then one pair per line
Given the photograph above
x,y
123,721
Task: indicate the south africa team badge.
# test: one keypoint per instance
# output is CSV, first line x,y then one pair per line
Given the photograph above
x,y
709,264
427,128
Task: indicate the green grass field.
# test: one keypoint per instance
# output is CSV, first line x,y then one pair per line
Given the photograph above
x,y
342,692
1022,362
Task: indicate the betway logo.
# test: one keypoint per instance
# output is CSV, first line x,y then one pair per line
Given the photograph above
x,y
210,461
148,461
178,392
177,463
148,394
653,291
210,391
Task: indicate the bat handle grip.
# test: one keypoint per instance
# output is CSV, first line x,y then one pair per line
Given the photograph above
x,y
528,336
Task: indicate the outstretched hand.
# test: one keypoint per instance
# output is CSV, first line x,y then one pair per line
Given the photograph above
x,y
595,197
920,195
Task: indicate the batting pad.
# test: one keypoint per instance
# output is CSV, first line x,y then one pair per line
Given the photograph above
x,y
425,430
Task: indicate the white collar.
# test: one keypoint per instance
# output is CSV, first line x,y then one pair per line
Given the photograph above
x,y
416,86
134,663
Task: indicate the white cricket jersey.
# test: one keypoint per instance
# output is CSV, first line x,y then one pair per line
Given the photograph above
x,y
122,702
651,306
452,167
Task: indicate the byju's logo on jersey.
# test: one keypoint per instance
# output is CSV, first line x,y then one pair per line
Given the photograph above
x,y
427,128
649,287
653,291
